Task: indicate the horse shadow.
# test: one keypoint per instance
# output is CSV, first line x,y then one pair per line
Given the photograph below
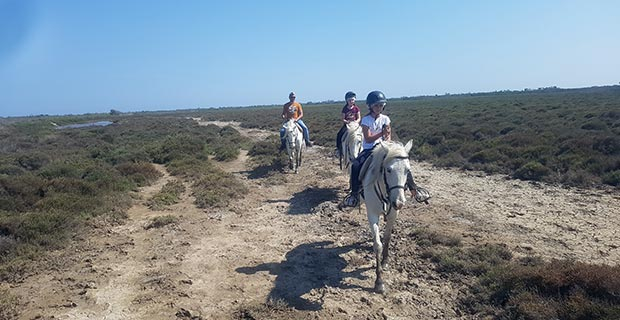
x,y
303,202
263,171
306,267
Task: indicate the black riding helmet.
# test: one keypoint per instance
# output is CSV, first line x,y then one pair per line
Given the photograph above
x,y
349,95
374,97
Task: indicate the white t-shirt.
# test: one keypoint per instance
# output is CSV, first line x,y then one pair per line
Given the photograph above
x,y
374,126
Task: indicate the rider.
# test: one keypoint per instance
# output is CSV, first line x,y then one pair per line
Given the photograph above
x,y
293,109
376,128
350,113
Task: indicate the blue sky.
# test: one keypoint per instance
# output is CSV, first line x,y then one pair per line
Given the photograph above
x,y
76,56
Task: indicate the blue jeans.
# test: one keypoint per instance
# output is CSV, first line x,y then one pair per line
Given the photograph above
x,y
303,128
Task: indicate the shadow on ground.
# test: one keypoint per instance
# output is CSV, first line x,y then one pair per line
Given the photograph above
x,y
303,202
307,267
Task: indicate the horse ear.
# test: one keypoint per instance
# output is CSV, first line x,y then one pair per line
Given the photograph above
x,y
409,145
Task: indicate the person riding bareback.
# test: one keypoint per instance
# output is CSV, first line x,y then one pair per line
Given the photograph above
x,y
350,113
293,110
375,128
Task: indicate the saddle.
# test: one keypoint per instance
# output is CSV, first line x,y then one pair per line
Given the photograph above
x,y
296,125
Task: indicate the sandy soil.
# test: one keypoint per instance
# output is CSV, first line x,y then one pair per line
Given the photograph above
x,y
287,245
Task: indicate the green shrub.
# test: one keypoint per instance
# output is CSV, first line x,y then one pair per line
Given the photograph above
x,y
107,179
140,173
19,194
169,194
226,152
44,229
71,186
570,290
57,170
161,221
607,145
594,125
472,261
612,178
532,171
69,203
486,156
11,170
217,189
176,147
33,161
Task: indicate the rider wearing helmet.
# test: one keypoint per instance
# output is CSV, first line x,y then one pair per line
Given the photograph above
x,y
293,109
350,113
375,128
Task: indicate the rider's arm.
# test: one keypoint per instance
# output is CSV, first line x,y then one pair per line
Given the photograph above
x,y
370,137
344,118
301,112
284,112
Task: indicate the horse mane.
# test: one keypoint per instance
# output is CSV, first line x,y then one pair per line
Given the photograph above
x,y
382,153
348,136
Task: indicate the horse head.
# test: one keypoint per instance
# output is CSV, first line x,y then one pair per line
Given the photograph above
x,y
390,168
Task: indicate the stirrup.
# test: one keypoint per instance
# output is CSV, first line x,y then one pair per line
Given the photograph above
x,y
351,200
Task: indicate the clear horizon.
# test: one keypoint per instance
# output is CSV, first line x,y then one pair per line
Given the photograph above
x,y
73,57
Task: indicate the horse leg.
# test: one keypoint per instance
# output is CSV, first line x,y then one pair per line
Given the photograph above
x,y
290,162
373,220
387,236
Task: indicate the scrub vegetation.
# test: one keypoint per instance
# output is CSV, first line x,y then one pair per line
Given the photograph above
x,y
558,136
53,181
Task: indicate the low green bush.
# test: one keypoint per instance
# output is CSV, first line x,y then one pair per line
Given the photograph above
x,y
612,178
226,152
140,173
169,194
532,170
161,221
217,189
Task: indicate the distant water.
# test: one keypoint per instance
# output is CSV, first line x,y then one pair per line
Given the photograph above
x,y
84,125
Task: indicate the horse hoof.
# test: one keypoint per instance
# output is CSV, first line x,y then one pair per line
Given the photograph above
x,y
379,288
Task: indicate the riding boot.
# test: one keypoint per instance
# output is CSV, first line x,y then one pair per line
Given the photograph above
x,y
354,198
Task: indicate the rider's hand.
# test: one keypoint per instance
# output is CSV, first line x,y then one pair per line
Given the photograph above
x,y
413,193
386,135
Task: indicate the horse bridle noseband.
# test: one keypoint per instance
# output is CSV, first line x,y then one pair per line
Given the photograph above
x,y
383,197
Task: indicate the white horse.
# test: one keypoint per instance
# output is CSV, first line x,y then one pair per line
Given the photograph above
x,y
294,144
384,178
351,145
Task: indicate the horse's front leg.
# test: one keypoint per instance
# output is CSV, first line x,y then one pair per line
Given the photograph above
x,y
290,158
387,236
373,220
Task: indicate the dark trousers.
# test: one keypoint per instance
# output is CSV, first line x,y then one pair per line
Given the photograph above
x,y
356,165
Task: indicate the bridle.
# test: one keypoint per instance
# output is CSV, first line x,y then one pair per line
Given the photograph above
x,y
387,204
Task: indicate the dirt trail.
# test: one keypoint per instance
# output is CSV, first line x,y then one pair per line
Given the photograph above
x,y
287,244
